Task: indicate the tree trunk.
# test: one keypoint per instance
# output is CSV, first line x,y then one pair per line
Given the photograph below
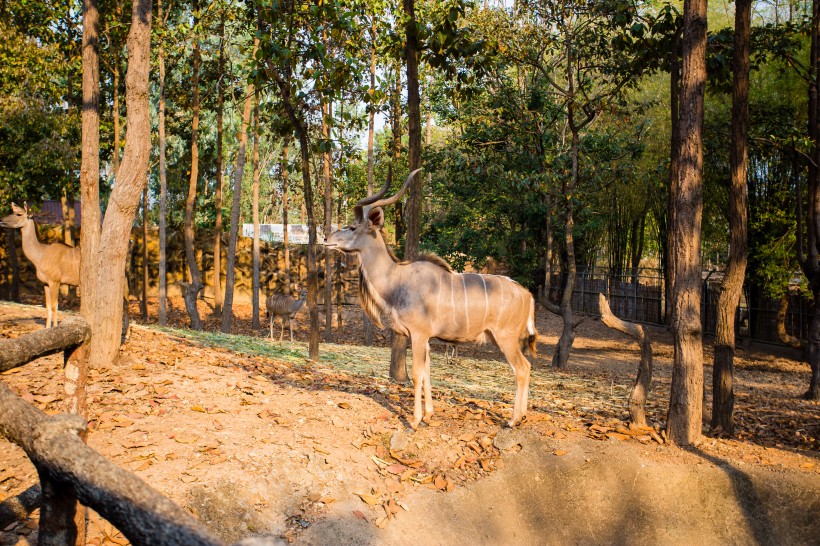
x,y
90,162
115,112
144,299
371,164
560,357
686,399
413,211
230,273
14,264
256,175
312,269
326,160
723,398
220,107
163,185
398,367
637,399
674,162
194,285
285,235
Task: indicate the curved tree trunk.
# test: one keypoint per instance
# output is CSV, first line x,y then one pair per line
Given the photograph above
x,y
723,398
239,171
194,286
637,399
686,399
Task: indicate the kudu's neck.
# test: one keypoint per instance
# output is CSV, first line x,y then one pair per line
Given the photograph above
x,y
377,263
32,247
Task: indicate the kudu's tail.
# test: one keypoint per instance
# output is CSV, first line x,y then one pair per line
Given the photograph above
x,y
532,334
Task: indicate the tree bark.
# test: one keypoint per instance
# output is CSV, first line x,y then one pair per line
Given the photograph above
x,y
723,369
144,298
285,235
163,184
686,399
412,213
14,264
326,161
239,170
371,163
115,112
560,357
90,161
220,107
256,176
194,285
674,162
637,399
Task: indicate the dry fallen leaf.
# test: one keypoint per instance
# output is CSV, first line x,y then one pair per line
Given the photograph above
x,y
200,409
372,500
559,452
359,515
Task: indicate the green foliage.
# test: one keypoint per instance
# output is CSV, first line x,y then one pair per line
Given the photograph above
x,y
40,139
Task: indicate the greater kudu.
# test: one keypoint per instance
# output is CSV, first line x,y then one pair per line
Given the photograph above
x,y
425,299
56,263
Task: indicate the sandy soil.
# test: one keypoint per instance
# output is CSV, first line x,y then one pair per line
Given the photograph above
x,y
254,440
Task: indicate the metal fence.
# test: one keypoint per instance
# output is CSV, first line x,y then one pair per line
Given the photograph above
x,y
639,296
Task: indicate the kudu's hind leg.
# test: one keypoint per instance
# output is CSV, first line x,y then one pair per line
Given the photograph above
x,y
521,368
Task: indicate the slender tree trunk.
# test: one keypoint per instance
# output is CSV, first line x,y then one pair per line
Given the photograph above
x,y
371,163
256,176
413,236
194,285
230,273
144,299
685,404
398,366
312,269
723,370
14,264
285,234
811,263
220,107
395,122
115,112
326,160
560,357
90,162
674,161
163,185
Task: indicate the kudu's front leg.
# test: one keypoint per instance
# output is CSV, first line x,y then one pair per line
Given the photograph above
x,y
52,303
421,349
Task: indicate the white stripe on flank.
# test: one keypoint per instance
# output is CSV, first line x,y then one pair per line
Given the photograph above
x,y
501,299
452,299
466,310
438,297
486,300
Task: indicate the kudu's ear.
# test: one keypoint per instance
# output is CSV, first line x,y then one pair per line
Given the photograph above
x,y
376,217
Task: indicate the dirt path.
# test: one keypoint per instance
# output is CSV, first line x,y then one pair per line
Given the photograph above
x,y
253,440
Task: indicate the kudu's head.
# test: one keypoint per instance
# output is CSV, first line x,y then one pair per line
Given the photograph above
x,y
18,217
369,219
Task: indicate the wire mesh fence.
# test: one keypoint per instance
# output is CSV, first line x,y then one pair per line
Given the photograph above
x,y
640,296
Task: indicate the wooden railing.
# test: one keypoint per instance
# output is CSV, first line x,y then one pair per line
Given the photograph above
x,y
70,471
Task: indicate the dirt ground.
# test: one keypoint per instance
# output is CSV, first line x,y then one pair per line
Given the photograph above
x,y
254,440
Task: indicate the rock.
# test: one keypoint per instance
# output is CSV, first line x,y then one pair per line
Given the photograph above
x,y
399,441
